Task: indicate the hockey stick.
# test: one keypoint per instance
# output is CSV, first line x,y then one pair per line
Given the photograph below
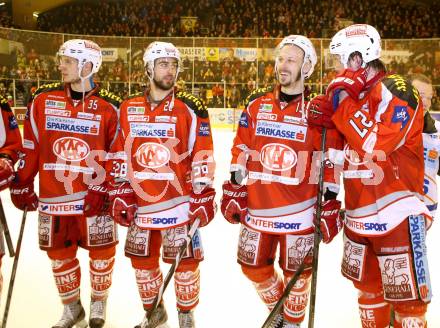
x,y
279,305
14,270
174,266
4,225
315,249
318,234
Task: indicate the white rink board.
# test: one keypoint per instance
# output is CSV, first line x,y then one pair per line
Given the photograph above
x,y
227,297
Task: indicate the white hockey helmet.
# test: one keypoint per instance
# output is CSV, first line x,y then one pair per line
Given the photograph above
x,y
84,51
306,45
358,37
159,49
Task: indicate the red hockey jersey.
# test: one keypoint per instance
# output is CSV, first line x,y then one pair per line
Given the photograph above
x,y
66,145
10,138
164,153
383,156
280,155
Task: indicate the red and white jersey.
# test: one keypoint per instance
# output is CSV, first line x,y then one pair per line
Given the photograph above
x,y
67,143
383,156
164,152
279,153
10,138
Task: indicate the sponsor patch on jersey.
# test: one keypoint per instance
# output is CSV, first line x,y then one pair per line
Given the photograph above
x,y
397,278
136,110
267,116
400,115
71,149
67,167
243,122
293,119
265,108
248,245
57,112
152,155
281,131
55,104
365,226
55,123
152,130
277,157
418,243
274,225
433,154
297,247
138,118
28,144
165,119
75,207
204,130
12,122
89,116
353,260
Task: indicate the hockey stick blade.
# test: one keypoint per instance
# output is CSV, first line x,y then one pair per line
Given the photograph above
x,y
14,270
279,305
174,266
4,225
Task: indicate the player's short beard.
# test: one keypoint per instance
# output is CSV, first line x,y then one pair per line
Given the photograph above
x,y
295,80
162,86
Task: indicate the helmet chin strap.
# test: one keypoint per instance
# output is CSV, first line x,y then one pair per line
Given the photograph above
x,y
83,82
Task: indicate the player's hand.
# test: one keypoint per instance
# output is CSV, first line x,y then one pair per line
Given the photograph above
x,y
23,195
95,200
352,82
202,206
6,173
123,205
234,202
320,112
331,223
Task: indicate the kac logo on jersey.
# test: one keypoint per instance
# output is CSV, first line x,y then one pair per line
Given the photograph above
x,y
277,157
71,149
352,156
152,155
204,130
400,115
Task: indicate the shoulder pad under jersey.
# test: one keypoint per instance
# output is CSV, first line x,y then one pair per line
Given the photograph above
x,y
46,88
193,102
256,93
109,97
4,104
402,89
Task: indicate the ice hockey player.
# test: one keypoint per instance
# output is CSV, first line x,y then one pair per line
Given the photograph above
x,y
10,149
431,142
380,116
274,148
165,182
68,130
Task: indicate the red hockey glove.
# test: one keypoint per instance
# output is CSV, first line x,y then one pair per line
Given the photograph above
x,y
202,206
95,200
122,203
6,173
23,195
234,202
353,82
320,112
331,223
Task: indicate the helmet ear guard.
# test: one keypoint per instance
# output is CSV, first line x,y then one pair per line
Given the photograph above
x,y
358,37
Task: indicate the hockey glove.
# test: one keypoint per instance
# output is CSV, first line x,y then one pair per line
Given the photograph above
x,y
202,206
331,223
23,195
122,203
6,173
234,202
320,112
95,200
353,82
